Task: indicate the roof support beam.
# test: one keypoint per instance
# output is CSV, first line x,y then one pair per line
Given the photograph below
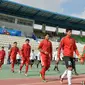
x,y
19,9
51,17
35,13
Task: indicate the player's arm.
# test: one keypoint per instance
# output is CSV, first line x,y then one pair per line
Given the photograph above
x,y
0,56
30,51
76,50
51,51
10,52
4,53
77,53
22,49
40,47
83,53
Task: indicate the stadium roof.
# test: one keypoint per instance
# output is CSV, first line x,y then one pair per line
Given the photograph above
x,y
41,16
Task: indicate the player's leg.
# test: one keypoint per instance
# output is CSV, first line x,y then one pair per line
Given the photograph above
x,y
68,71
65,72
63,75
12,64
37,63
27,66
1,63
74,67
21,65
18,62
48,64
31,63
44,68
40,63
56,67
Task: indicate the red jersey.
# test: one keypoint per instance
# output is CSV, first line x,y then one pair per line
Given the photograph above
x,y
46,46
2,54
25,51
68,45
13,52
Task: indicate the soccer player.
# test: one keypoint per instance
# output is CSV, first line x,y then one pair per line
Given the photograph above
x,y
68,45
45,48
2,56
55,58
12,54
25,56
32,58
18,58
38,60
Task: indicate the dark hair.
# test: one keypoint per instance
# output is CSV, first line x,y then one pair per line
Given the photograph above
x,y
27,40
2,47
32,49
15,42
69,29
46,34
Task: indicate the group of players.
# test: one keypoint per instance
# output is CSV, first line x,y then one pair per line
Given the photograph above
x,y
67,46
14,54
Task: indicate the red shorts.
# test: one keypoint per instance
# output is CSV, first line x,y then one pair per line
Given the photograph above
x,y
13,60
45,61
25,61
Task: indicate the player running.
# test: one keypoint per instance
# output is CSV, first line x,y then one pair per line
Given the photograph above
x,y
68,45
25,56
45,48
12,54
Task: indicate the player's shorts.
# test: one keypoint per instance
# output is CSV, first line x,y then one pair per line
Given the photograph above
x,y
45,61
31,62
25,61
68,61
13,60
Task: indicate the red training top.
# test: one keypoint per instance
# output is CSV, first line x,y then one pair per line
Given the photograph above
x,y
13,52
68,45
46,46
25,51
2,54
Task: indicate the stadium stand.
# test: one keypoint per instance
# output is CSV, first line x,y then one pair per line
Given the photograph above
x,y
5,40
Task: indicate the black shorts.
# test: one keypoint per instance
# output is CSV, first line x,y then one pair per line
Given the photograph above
x,y
69,62
31,62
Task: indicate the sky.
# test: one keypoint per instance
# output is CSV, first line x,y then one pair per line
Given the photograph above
x,y
74,8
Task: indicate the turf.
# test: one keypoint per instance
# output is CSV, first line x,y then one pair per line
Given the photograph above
x,y
6,73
